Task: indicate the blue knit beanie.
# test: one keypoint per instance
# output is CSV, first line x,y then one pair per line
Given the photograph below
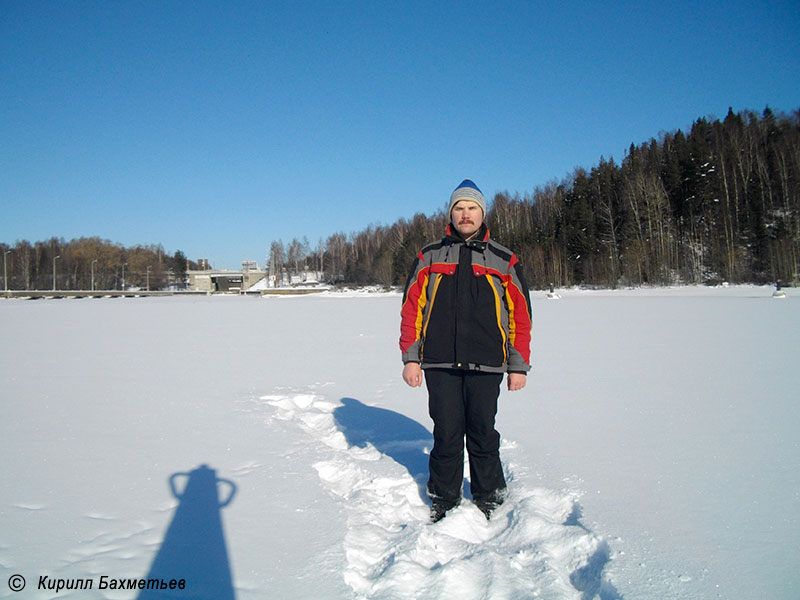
x,y
467,190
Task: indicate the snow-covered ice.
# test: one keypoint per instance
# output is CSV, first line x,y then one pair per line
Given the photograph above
x,y
267,448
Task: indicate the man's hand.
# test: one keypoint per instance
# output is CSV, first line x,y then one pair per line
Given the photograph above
x,y
412,374
516,381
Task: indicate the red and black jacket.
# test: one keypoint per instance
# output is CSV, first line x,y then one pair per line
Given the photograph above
x,y
466,306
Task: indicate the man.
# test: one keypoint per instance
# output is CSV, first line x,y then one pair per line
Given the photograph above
x,y
465,321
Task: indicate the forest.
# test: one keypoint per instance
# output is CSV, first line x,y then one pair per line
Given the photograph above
x,y
720,203
91,264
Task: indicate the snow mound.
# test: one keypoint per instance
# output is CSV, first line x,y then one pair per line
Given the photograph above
x,y
375,463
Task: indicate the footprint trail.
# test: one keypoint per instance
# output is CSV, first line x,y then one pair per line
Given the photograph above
x,y
533,546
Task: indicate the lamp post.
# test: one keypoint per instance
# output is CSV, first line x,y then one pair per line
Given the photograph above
x,y
55,258
148,278
123,276
5,270
94,261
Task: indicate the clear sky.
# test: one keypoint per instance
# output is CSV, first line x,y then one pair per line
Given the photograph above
x,y
217,127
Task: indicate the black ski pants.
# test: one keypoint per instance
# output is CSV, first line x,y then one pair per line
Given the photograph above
x,y
464,404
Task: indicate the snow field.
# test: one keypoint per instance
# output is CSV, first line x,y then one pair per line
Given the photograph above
x,y
670,415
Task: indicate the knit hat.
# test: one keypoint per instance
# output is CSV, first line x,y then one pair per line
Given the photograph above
x,y
467,190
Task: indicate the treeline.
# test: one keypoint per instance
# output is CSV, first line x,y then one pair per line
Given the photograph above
x,y
91,263
721,203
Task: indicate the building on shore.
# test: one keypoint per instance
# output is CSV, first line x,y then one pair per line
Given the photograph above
x,y
222,280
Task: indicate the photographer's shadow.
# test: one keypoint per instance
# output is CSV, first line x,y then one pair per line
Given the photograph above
x,y
391,433
194,546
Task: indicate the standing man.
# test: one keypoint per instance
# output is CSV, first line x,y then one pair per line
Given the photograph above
x,y
465,321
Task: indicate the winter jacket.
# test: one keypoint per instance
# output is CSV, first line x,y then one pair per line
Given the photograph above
x,y
466,306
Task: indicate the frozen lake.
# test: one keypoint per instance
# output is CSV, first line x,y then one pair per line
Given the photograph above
x,y
654,453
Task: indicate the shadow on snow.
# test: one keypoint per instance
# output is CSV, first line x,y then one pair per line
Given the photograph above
x,y
194,546
393,434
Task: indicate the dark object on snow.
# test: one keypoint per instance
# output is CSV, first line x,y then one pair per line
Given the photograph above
x,y
440,507
489,503
487,508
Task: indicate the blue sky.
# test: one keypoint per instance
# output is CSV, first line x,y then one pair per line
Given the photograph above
x,y
217,127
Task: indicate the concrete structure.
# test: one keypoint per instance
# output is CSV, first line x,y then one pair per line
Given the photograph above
x,y
219,280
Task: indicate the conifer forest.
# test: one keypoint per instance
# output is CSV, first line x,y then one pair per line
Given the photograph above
x,y
719,203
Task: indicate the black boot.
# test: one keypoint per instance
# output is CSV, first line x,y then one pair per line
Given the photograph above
x,y
439,508
489,503
487,508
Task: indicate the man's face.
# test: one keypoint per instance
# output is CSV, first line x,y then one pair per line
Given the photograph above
x,y
467,217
